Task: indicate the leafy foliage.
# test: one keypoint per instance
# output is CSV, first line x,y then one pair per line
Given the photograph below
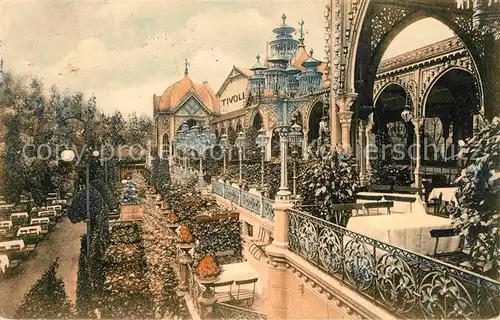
x,y
46,298
384,170
478,195
325,182
126,292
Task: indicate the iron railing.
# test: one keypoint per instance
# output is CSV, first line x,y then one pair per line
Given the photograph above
x,y
408,284
230,312
250,202
257,204
267,209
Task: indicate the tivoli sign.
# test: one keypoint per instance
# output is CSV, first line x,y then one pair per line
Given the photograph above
x,y
233,99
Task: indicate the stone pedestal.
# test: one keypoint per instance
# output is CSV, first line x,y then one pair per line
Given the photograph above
x,y
206,302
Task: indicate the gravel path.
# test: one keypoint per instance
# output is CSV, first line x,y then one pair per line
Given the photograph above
x,y
64,242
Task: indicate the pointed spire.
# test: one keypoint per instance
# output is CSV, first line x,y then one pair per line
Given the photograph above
x,y
301,32
186,65
258,57
283,17
311,52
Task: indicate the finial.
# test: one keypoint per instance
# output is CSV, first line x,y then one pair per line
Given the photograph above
x,y
301,24
186,65
283,17
258,57
311,53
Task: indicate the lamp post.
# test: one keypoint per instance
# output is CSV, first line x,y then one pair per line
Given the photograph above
x,y
407,115
261,141
68,156
295,138
224,141
240,142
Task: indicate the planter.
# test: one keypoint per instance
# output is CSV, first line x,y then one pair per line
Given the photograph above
x,y
207,281
172,226
185,246
130,208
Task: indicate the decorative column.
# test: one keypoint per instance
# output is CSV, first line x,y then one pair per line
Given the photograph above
x,y
305,144
269,145
345,121
417,123
368,166
361,152
344,104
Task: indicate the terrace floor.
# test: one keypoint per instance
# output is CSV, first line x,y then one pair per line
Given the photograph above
x,y
64,242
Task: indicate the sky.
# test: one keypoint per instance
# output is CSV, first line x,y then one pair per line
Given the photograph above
x,y
125,51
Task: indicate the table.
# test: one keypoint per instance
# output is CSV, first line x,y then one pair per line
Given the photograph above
x,y
407,231
447,194
239,271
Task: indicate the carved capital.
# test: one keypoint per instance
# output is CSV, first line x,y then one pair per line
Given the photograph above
x,y
345,101
345,118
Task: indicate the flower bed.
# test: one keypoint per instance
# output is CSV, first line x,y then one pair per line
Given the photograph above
x,y
126,288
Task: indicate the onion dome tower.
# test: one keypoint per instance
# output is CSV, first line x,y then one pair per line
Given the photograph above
x,y
310,79
257,81
283,49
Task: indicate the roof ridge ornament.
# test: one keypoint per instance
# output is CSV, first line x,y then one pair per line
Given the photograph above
x,y
283,17
301,31
258,57
186,66
311,52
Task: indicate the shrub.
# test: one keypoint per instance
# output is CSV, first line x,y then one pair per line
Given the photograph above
x,y
46,298
478,195
326,182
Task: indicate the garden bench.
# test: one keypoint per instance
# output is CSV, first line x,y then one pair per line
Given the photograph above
x,y
224,296
259,245
405,189
244,295
378,205
369,197
379,188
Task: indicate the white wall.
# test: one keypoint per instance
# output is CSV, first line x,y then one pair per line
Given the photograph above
x,y
233,96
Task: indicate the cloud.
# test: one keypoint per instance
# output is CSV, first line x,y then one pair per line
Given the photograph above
x,y
126,51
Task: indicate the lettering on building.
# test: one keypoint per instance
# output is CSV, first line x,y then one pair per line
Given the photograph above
x,y
233,99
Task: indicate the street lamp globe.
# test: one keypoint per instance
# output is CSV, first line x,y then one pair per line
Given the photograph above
x,y
262,138
224,141
240,140
95,153
295,136
407,115
67,155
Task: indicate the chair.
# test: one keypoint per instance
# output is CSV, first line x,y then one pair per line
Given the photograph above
x,y
244,295
222,296
369,197
378,205
454,257
379,188
259,245
405,189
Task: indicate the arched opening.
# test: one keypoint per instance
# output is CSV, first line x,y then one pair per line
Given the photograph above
x,y
238,126
389,105
316,114
257,121
165,147
449,109
275,143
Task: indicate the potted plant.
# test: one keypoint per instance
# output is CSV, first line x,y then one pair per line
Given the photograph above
x,y
186,240
172,221
208,271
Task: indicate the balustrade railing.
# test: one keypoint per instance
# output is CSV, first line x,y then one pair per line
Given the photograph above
x,y
408,284
230,312
255,203
250,202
